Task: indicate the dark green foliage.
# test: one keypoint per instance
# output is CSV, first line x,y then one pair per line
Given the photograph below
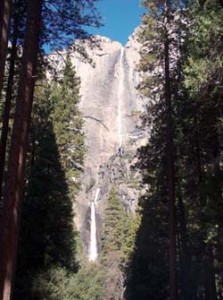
x,y
201,169
113,240
56,283
113,231
149,262
48,203
147,273
50,284
196,80
117,245
67,124
47,229
48,236
88,284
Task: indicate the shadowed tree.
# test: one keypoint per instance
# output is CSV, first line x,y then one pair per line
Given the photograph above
x,y
5,7
19,8
170,157
70,25
16,168
47,240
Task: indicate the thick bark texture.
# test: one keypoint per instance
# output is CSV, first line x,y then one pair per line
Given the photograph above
x,y
16,167
6,113
5,6
170,164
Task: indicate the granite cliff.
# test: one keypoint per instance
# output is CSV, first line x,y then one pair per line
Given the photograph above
x,y
111,109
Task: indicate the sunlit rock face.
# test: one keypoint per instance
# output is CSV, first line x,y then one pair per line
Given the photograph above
x,y
111,109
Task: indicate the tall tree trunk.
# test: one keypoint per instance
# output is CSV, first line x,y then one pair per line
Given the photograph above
x,y
16,167
5,6
6,112
170,163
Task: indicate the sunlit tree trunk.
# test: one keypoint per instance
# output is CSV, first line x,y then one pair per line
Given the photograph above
x,y
16,167
5,6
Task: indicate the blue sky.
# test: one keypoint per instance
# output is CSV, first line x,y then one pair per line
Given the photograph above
x,y
121,17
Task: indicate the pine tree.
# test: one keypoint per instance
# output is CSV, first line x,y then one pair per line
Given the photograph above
x,y
161,31
78,16
203,77
14,187
67,123
195,78
118,238
56,156
88,284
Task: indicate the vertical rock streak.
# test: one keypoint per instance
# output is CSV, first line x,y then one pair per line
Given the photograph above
x,y
93,251
120,94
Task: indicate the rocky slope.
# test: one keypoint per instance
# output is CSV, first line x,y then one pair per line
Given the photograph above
x,y
111,109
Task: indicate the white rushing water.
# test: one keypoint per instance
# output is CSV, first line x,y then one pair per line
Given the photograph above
x,y
120,95
93,249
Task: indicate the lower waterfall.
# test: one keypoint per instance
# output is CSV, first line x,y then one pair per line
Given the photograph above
x,y
93,249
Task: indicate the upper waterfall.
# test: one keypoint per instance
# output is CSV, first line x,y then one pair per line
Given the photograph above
x,y
120,96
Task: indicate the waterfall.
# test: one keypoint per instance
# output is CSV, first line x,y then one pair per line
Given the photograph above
x,y
93,249
120,94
